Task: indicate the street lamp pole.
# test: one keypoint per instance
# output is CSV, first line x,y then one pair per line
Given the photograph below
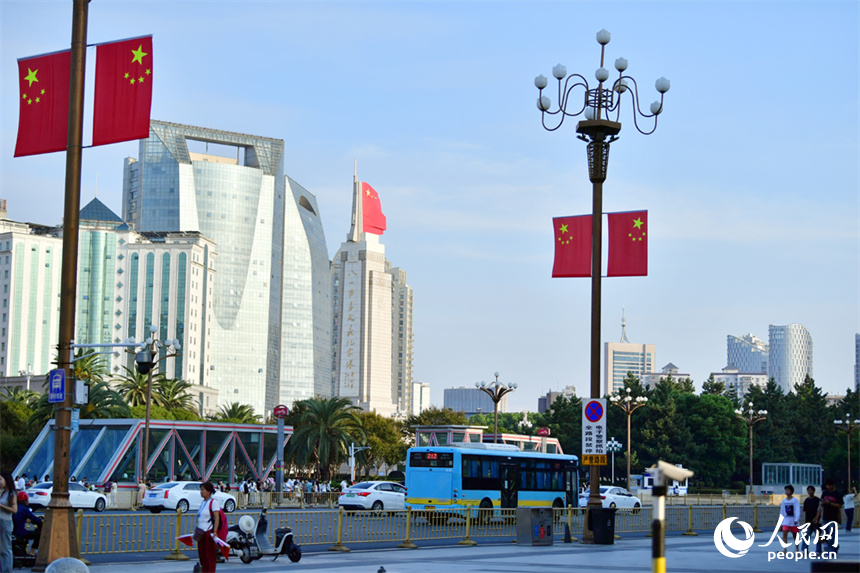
x,y
847,425
598,131
496,391
629,404
751,417
28,373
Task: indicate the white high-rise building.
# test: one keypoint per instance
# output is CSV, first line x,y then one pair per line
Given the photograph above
x,y
372,326
747,353
790,357
741,382
269,338
623,357
651,379
420,397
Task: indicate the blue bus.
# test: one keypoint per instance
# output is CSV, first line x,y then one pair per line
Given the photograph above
x,y
489,476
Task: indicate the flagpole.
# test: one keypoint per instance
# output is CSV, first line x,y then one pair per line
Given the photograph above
x,y
59,538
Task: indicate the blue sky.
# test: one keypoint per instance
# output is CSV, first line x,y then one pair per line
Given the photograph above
x,y
751,179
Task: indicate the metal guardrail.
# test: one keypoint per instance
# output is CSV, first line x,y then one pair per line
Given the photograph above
x,y
100,533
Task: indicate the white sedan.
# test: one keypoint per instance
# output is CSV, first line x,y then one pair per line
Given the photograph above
x,y
613,497
375,495
79,496
184,496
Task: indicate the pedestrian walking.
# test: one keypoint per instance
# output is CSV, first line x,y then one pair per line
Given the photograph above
x,y
8,508
207,525
141,492
109,493
849,508
343,484
810,511
829,511
789,509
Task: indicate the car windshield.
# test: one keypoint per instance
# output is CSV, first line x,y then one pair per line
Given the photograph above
x,y
603,489
362,485
166,485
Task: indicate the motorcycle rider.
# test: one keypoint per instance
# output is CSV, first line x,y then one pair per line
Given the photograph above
x,y
20,519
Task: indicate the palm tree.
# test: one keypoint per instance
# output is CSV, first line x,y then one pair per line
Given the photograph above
x,y
105,402
174,395
20,395
237,413
133,387
323,434
89,366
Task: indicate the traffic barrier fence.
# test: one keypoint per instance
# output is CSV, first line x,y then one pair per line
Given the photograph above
x,y
147,532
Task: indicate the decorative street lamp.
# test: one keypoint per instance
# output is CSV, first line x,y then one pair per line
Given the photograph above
x,y
597,129
525,424
146,362
614,446
751,417
629,404
848,425
495,390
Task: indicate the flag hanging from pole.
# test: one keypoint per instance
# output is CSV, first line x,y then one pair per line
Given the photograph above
x,y
628,244
123,91
43,120
373,221
572,246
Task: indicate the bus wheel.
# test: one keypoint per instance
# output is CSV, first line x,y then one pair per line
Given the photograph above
x,y
636,508
557,504
486,511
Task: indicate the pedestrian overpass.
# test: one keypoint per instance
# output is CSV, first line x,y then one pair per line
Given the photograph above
x,y
110,449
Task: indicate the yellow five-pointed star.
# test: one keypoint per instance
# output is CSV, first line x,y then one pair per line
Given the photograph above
x,y
131,81
637,223
126,75
24,96
31,77
37,100
563,229
148,72
43,92
140,80
138,55
367,191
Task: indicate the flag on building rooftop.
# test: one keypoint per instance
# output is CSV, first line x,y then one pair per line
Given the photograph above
x,y
123,91
43,120
373,221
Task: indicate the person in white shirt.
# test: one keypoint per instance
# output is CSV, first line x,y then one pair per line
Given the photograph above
x,y
789,509
343,484
848,499
21,484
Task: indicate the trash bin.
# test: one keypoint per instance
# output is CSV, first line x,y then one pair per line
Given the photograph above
x,y
602,521
534,526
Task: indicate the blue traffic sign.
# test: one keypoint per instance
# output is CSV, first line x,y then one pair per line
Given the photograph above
x,y
594,411
57,387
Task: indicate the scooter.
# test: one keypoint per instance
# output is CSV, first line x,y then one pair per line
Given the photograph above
x,y
20,557
251,547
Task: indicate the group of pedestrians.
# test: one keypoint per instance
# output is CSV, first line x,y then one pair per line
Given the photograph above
x,y
821,517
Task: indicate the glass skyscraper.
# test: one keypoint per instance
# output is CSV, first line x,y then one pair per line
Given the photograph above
x,y
747,354
790,357
267,324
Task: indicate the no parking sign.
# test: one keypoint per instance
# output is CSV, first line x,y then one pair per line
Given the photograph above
x,y
594,432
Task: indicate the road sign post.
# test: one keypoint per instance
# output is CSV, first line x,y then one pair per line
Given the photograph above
x,y
594,432
280,412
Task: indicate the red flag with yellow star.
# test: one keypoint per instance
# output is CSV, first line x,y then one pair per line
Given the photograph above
x,y
572,246
373,221
43,121
628,244
123,91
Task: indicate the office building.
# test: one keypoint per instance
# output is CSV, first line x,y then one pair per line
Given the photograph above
x,y
269,330
623,357
790,358
740,382
650,379
420,397
471,401
747,353
545,402
372,322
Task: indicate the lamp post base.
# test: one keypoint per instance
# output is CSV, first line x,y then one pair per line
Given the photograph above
x,y
59,537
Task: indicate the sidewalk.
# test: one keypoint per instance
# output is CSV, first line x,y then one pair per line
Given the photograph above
x,y
683,554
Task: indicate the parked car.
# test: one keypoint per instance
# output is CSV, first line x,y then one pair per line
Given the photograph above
x,y
184,496
613,497
79,496
375,495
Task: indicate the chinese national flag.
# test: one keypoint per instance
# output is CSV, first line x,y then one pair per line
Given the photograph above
x,y
572,246
628,244
123,91
373,221
43,121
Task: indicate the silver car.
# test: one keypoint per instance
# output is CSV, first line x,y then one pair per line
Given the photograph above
x,y
79,496
184,496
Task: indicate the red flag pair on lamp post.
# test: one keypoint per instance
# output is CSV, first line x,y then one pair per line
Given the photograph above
x,y
122,97
628,245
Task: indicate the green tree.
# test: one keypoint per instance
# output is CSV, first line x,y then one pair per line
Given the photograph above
x,y
322,436
813,430
434,416
710,386
237,413
564,420
774,438
174,394
16,433
104,402
20,395
132,385
384,441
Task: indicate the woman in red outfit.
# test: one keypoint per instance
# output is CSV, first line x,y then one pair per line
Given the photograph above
x,y
207,525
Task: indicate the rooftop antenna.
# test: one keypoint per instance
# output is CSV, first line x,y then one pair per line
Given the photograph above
x,y
623,324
